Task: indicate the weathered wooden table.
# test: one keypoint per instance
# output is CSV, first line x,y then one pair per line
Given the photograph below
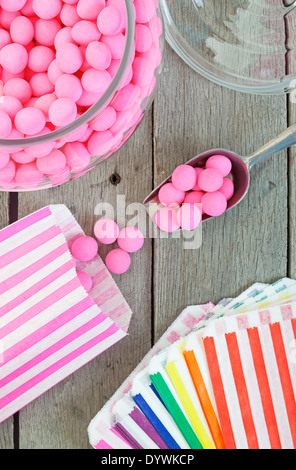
x,y
253,242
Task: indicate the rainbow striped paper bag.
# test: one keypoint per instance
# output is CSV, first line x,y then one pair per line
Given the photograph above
x,y
102,432
49,325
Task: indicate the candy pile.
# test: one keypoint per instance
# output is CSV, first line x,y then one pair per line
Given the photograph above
x,y
57,58
193,192
118,260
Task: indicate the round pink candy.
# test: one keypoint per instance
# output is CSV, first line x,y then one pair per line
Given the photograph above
x,y
5,125
68,86
106,231
46,31
166,219
14,58
13,5
85,280
28,175
63,36
77,155
84,248
40,84
62,112
143,38
7,173
4,159
100,143
130,239
7,17
143,71
47,9
69,15
126,97
96,81
22,157
52,163
69,58
40,58
10,105
4,38
29,121
98,55
116,45
118,261
227,188
184,177
110,21
214,203
145,10
18,88
21,30
194,197
89,9
220,163
210,180
189,216
85,32
169,195
104,120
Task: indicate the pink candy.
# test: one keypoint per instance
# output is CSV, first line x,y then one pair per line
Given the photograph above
x,y
14,58
118,261
5,124
85,279
129,239
29,121
57,58
84,248
184,177
106,231
208,192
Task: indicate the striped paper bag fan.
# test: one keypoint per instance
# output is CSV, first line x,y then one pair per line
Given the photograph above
x,y
49,325
230,382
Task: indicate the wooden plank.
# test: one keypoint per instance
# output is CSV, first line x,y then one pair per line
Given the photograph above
x,y
245,245
291,103
59,418
6,428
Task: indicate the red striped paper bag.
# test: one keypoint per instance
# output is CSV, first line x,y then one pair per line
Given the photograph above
x,y
252,365
49,325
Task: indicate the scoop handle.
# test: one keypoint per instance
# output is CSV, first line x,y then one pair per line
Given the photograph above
x,y
282,141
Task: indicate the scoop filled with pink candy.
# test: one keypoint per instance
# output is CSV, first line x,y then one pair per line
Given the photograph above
x,y
214,182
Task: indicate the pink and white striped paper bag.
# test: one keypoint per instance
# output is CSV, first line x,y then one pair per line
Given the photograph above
x,y
49,325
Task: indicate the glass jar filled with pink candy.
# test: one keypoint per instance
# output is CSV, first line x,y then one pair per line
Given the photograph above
x,y
76,78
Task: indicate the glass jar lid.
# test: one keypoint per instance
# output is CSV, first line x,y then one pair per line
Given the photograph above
x,y
246,45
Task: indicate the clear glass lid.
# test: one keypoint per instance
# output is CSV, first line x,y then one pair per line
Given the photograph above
x,y
246,45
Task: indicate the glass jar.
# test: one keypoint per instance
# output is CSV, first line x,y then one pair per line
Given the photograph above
x,y
245,45
104,119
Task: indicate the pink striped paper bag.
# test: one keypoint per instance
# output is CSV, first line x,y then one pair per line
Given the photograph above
x,y
252,364
49,325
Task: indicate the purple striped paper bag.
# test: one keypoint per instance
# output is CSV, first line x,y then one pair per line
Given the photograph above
x,y
49,325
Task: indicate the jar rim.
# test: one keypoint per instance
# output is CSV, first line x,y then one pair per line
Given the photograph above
x,y
93,111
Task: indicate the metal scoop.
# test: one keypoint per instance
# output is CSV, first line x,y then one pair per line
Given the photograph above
x,y
241,166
